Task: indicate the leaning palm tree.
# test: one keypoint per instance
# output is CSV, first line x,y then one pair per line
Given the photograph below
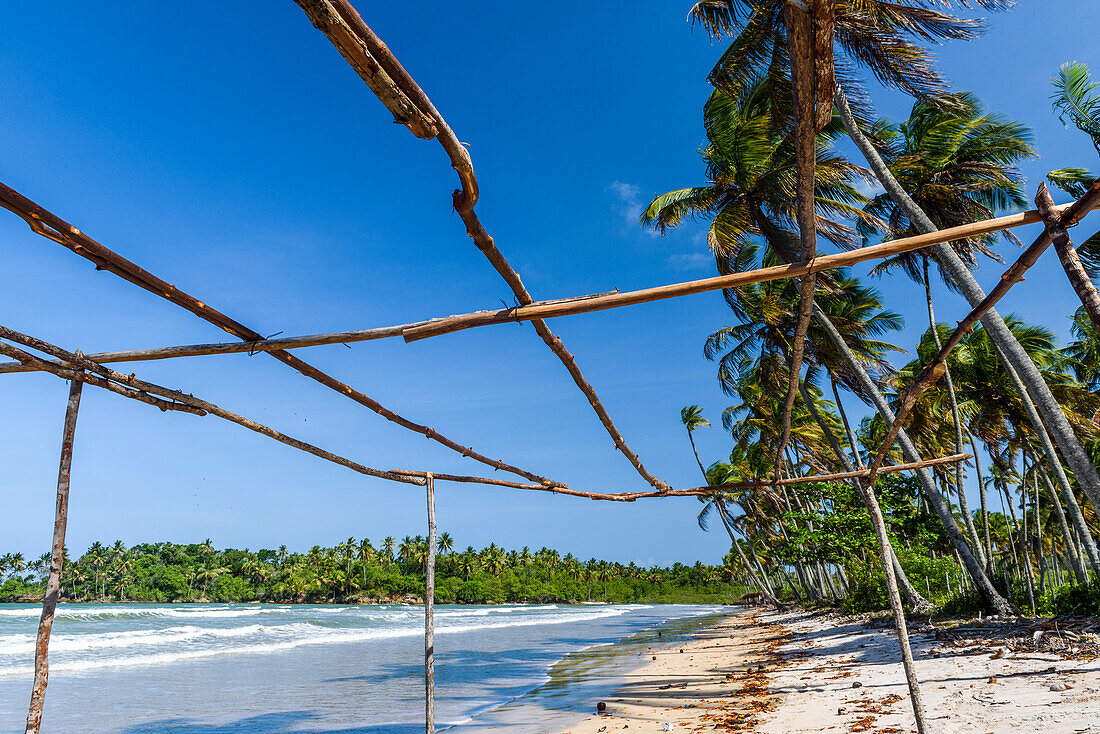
x,y
751,178
692,418
957,162
875,34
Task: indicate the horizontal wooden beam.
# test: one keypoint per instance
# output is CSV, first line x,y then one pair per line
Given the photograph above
x,y
81,368
261,345
694,491
567,306
545,310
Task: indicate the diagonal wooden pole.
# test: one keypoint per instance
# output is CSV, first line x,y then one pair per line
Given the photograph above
x,y
57,559
140,390
931,373
429,611
52,227
363,49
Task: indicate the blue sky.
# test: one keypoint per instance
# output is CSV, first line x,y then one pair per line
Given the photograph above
x,y
236,155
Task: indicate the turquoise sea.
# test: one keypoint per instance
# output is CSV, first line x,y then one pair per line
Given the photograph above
x,y
290,669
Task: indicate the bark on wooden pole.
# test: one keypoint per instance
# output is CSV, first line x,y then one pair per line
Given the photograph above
x,y
572,306
107,378
57,559
1067,254
52,227
352,34
429,610
546,310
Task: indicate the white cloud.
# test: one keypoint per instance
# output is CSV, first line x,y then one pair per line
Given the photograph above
x,y
629,206
870,189
691,260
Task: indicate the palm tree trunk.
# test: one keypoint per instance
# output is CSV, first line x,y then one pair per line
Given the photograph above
x,y
1076,517
697,461
1072,555
760,583
1011,352
852,442
985,511
995,603
916,602
960,490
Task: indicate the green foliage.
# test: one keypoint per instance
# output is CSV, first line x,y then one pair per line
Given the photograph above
x,y
355,571
868,589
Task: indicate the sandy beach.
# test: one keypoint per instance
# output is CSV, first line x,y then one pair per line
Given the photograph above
x,y
798,672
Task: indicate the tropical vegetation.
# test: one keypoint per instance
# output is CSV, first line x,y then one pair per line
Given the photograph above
x,y
358,571
1025,408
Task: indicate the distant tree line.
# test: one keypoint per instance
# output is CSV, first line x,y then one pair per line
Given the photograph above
x,y
357,571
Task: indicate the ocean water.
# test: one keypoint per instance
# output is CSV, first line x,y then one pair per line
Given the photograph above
x,y
286,669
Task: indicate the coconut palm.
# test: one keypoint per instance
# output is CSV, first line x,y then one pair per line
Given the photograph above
x,y
750,167
692,418
1077,99
874,34
957,162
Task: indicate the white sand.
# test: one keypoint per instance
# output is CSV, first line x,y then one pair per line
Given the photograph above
x,y
793,673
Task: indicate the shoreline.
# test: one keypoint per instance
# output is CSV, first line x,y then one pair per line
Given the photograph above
x,y
579,678
802,672
407,601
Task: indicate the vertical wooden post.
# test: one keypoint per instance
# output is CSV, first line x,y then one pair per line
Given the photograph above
x,y
53,584
429,608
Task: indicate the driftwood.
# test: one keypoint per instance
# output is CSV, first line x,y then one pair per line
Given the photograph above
x,y
935,368
57,559
107,378
353,36
53,227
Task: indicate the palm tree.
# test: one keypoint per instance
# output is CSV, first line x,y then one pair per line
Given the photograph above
x,y
388,544
750,167
692,418
874,34
446,543
1077,98
957,162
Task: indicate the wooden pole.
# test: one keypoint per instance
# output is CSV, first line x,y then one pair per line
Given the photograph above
x,y
106,378
451,324
263,345
57,559
352,37
935,368
52,227
575,305
1067,254
694,491
429,609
